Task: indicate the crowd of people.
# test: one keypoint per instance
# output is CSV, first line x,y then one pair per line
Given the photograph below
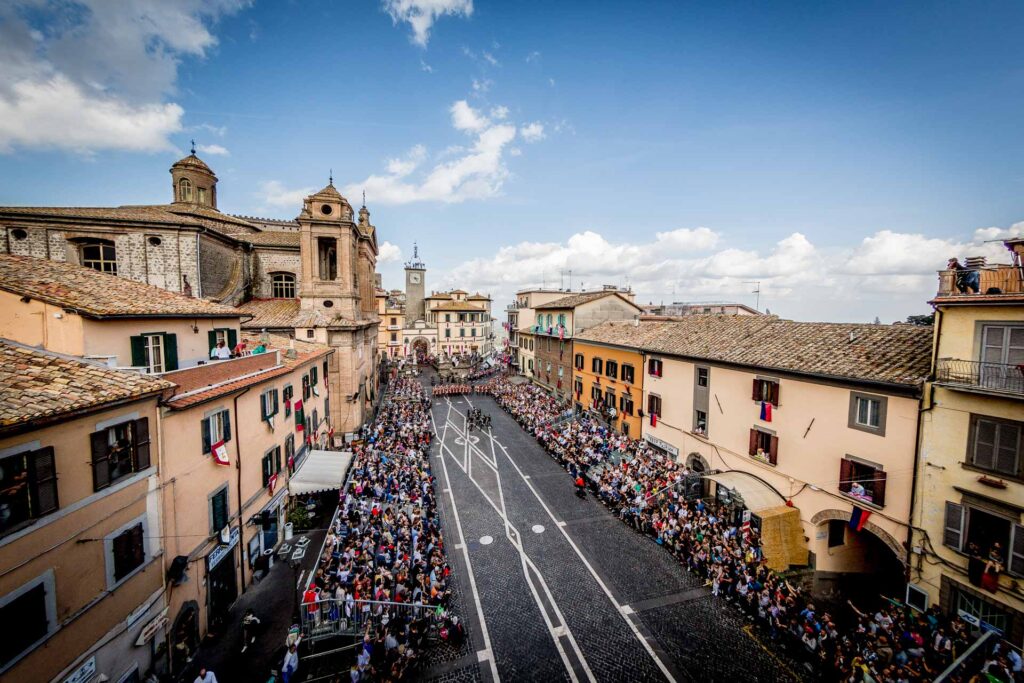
x,y
645,489
453,389
385,549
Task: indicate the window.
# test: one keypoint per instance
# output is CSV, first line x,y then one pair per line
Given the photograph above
x,y
462,331
327,258
289,453
215,428
969,524
268,406
128,551
702,376
119,451
578,361
700,422
155,351
577,386
447,334
983,610
1003,345
272,463
28,487
394,336
595,393
626,404
836,533
306,390
766,390
628,374
867,413
202,195
219,516
596,365
473,331
222,334
287,395
282,285
654,367
995,445
611,369
314,376
99,255
764,446
447,317
862,480
184,190
33,609
654,405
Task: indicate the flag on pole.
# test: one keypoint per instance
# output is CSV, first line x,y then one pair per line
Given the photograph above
x,y
766,411
859,518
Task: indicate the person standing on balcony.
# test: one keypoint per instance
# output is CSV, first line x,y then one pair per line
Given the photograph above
x,y
967,281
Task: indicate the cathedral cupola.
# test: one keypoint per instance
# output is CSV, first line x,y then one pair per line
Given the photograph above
x,y
193,182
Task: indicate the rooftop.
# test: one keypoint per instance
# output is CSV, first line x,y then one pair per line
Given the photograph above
x,y
287,313
459,306
99,295
127,214
207,382
37,385
889,354
574,300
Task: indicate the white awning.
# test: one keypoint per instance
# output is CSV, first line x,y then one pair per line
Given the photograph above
x,y
757,495
320,471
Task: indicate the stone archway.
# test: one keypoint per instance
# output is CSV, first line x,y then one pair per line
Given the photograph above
x,y
881,534
420,349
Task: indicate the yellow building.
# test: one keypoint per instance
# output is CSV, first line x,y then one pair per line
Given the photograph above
x,y
970,480
81,577
463,322
392,323
608,381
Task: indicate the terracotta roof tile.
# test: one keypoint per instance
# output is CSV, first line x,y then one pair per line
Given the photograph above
x,y
894,354
133,214
574,300
36,384
98,294
459,306
287,313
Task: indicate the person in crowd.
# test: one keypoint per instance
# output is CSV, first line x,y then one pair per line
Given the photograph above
x,y
220,351
206,676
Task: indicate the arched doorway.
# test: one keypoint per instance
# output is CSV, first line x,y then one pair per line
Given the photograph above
x,y
696,483
420,349
866,563
184,636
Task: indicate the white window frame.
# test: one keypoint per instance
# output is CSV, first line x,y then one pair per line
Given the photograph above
x,y
876,411
155,347
217,418
108,550
46,579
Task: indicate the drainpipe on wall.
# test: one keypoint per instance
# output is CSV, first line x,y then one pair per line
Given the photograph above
x,y
238,491
917,437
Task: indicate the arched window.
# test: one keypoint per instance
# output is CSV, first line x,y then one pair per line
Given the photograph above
x,y
185,190
282,285
99,255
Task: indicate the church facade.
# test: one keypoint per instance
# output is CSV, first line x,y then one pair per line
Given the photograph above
x,y
311,277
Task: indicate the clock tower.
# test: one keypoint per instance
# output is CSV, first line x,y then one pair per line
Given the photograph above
x,y
415,287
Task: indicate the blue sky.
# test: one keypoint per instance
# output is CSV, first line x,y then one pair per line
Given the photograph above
x,y
835,152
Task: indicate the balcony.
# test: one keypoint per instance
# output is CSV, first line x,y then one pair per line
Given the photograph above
x,y
996,280
977,376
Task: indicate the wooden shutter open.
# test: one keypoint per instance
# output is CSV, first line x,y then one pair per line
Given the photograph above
x,y
879,492
138,351
204,427
775,394
1016,564
953,531
752,449
845,475
211,338
773,450
232,339
227,424
43,476
755,393
100,460
140,439
170,351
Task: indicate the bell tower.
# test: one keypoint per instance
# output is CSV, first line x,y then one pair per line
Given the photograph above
x,y
193,182
415,287
327,245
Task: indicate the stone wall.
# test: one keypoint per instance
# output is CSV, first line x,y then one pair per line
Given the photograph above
x,y
265,262
221,269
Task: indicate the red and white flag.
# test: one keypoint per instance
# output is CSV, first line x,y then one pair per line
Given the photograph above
x,y
220,453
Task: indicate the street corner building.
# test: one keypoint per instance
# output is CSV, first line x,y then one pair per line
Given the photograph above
x,y
312,277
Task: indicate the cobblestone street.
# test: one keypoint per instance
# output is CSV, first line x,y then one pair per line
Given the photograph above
x,y
556,588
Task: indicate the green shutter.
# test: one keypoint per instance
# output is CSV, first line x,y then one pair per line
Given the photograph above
x,y
227,425
277,458
170,351
138,351
204,426
264,411
232,339
212,337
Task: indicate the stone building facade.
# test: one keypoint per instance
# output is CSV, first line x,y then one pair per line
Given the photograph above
x,y
190,246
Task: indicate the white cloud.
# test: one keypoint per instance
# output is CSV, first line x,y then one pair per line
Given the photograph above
x,y
490,59
426,67
515,152
218,150
551,82
97,77
460,173
388,252
886,273
421,14
533,57
482,85
532,132
273,194
219,131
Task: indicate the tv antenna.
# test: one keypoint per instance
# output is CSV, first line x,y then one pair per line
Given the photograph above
x,y
757,291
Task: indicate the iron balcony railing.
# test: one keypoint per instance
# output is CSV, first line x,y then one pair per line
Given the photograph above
x,y
977,375
991,280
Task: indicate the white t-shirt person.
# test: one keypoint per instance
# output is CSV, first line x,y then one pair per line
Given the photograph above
x,y
220,351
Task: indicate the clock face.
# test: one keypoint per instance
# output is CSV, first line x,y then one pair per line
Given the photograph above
x,y
414,278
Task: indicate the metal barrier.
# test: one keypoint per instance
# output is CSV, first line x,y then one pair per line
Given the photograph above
x,y
330,618
986,376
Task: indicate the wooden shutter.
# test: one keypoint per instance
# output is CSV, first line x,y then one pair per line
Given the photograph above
x,y
752,449
227,424
879,492
274,408
42,468
775,394
232,339
277,458
219,510
170,352
138,351
773,450
211,336
204,427
755,393
264,409
267,464
100,460
137,545
953,532
1016,564
141,442
845,475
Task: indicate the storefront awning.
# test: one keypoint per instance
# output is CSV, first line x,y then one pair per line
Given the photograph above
x,y
320,471
756,494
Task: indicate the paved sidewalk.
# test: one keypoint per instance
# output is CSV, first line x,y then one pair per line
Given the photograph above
x,y
273,601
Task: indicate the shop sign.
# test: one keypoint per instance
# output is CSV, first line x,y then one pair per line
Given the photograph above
x,y
663,445
219,553
83,673
152,628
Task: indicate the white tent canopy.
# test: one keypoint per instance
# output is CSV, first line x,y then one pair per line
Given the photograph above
x,y
757,495
320,471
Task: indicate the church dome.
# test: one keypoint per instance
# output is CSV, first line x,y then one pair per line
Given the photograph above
x,y
193,162
193,182
329,192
